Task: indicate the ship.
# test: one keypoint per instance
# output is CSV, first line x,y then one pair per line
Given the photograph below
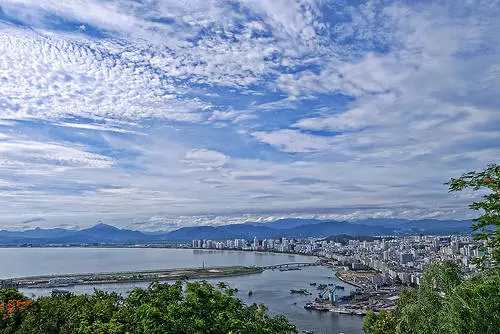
x,y
60,292
300,291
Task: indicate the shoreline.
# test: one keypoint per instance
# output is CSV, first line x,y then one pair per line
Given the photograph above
x,y
326,261
337,274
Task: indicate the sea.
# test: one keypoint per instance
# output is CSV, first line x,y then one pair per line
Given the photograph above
x,y
271,287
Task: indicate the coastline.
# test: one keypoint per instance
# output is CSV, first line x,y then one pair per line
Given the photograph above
x,y
327,262
337,274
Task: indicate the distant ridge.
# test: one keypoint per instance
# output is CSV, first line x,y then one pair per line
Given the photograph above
x,y
288,227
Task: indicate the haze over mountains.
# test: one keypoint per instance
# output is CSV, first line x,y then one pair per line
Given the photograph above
x,y
291,227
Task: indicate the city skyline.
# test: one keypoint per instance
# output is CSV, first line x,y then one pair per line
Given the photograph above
x,y
162,114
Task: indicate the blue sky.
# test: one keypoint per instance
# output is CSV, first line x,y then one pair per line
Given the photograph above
x,y
159,114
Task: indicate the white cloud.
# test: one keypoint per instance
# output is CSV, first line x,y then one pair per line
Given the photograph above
x,y
5,184
293,141
96,127
29,155
82,80
205,158
231,116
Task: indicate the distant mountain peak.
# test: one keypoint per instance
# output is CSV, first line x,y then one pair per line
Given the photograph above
x,y
102,226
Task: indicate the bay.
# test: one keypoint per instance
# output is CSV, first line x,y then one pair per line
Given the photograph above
x,y
271,287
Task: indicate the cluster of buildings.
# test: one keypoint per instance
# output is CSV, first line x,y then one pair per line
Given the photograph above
x,y
284,245
405,258
402,258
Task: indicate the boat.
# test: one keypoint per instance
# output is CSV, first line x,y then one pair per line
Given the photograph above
x,y
250,292
339,287
300,291
322,286
60,292
312,284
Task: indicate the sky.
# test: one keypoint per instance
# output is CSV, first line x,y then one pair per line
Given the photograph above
x,y
154,115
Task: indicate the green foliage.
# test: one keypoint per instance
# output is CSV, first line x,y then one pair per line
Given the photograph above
x,y
422,311
444,304
474,305
487,225
12,308
196,307
381,323
10,294
97,313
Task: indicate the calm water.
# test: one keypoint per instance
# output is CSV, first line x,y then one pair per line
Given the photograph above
x,y
271,288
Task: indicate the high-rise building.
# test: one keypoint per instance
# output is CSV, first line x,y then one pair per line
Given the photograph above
x,y
405,258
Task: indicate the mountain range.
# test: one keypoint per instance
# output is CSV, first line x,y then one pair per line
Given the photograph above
x,y
289,227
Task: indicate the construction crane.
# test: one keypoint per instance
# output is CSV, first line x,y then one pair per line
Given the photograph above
x,y
332,297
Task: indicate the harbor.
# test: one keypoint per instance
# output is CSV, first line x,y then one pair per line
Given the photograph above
x,y
366,297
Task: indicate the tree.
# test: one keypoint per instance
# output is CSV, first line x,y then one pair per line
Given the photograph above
x,y
423,311
12,307
487,225
446,302
196,307
473,306
381,323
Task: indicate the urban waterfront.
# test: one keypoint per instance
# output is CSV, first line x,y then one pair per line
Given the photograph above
x,y
271,287
400,258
